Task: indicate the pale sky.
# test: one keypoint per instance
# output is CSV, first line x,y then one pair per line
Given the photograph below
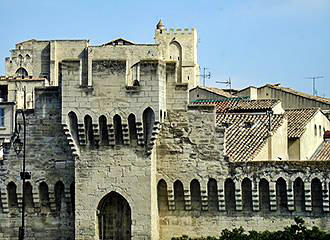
x,y
254,42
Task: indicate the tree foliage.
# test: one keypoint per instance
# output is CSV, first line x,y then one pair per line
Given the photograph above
x,y
297,231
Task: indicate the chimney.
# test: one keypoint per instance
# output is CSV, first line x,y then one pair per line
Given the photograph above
x,y
326,136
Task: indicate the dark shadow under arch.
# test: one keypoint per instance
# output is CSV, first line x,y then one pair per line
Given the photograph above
x,y
299,195
179,195
21,72
132,129
114,217
281,195
119,140
317,199
73,126
12,195
247,194
28,196
103,127
230,195
195,193
44,195
212,192
148,124
59,196
89,130
162,196
264,198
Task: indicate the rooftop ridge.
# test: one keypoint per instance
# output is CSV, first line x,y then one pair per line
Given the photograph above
x,y
220,100
298,93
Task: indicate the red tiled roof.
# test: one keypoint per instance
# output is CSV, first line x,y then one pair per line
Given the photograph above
x,y
322,153
246,134
298,119
240,105
217,91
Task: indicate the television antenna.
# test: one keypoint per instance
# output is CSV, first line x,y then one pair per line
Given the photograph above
x,y
205,75
228,83
314,78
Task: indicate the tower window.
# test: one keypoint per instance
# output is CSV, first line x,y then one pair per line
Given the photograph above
x,y
21,72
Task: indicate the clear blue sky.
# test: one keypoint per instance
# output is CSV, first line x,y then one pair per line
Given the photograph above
x,y
252,41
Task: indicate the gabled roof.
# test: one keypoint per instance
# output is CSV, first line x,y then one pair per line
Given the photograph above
x,y
301,94
119,41
246,134
322,153
217,91
240,104
298,119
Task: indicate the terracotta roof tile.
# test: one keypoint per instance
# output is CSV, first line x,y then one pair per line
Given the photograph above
x,y
322,153
219,91
246,134
298,119
240,105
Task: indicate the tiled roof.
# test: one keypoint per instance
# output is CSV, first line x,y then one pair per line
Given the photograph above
x,y
322,153
262,104
246,134
240,105
217,91
292,91
298,119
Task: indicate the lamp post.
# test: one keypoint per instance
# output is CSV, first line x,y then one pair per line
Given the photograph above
x,y
18,147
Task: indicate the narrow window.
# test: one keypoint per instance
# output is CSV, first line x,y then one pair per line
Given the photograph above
x,y
162,196
28,195
44,195
317,202
132,128
315,130
320,130
264,199
89,130
178,195
299,195
148,124
59,195
118,130
12,195
230,195
103,130
212,191
73,126
281,195
247,194
2,117
195,191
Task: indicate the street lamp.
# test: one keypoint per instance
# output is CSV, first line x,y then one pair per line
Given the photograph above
x,y
18,147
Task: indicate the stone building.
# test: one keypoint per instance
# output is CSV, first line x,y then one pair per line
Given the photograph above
x,y
116,151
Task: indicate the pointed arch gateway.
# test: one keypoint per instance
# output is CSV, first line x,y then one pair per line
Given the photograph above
x,y
114,217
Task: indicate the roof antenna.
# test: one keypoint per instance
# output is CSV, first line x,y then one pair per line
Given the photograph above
x,y
314,77
228,83
205,75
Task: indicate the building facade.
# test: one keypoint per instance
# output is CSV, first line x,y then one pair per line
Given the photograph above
x,y
117,152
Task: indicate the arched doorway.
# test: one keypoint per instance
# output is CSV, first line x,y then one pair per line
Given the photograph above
x,y
114,218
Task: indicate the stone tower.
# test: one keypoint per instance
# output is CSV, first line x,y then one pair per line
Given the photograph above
x,y
180,46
